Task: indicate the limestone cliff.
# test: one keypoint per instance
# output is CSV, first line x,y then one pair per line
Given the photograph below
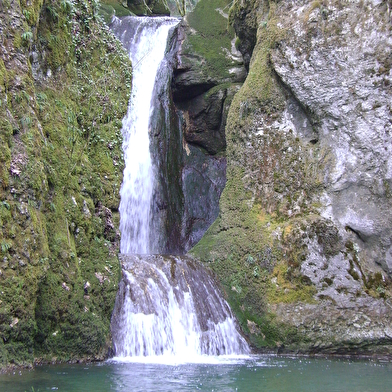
x,y
64,87
304,238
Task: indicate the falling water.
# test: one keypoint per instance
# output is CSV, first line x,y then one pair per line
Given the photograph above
x,y
145,39
170,306
166,306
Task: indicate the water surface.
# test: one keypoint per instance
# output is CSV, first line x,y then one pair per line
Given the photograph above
x,y
256,373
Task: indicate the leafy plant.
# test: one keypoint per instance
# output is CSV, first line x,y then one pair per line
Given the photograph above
x,y
27,14
5,204
27,36
5,246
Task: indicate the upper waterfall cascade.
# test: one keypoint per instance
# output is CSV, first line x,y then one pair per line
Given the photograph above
x,y
166,306
145,39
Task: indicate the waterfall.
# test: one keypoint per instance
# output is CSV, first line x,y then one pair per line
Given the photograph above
x,y
145,39
170,306
166,306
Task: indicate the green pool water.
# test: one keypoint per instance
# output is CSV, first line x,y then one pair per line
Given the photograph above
x,y
256,373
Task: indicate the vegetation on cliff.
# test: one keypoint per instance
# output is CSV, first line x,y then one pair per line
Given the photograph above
x,y
64,84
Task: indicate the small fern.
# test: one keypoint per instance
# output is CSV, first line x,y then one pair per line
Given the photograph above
x,y
5,246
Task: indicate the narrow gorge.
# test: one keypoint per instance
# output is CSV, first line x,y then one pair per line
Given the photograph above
x,y
267,149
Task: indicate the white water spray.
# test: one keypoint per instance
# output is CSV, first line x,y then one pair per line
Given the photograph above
x,y
170,306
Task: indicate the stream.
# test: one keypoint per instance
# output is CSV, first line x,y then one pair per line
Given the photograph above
x,y
223,374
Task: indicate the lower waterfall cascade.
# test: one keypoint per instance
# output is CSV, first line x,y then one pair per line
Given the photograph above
x,y
169,305
166,305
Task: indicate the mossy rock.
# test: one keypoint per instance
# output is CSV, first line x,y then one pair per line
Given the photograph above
x,y
110,8
61,134
211,39
148,7
252,246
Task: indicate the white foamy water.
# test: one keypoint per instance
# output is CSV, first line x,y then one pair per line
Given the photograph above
x,y
176,360
169,310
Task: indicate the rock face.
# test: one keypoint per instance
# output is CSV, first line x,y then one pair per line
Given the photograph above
x,y
347,91
207,73
303,241
61,106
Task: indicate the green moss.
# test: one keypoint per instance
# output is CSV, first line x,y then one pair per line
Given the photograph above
x,y
31,10
260,89
3,76
255,264
17,40
63,138
148,7
211,38
267,211
109,8
257,244
283,288
313,6
5,152
265,332
378,285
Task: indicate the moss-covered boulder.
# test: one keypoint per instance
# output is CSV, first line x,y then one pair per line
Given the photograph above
x,y
64,88
148,7
110,8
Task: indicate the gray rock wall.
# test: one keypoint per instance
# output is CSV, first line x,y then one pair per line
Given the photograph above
x,y
336,61
208,71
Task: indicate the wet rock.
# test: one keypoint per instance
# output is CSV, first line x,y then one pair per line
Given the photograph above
x,y
204,123
194,81
203,179
207,72
189,143
244,19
